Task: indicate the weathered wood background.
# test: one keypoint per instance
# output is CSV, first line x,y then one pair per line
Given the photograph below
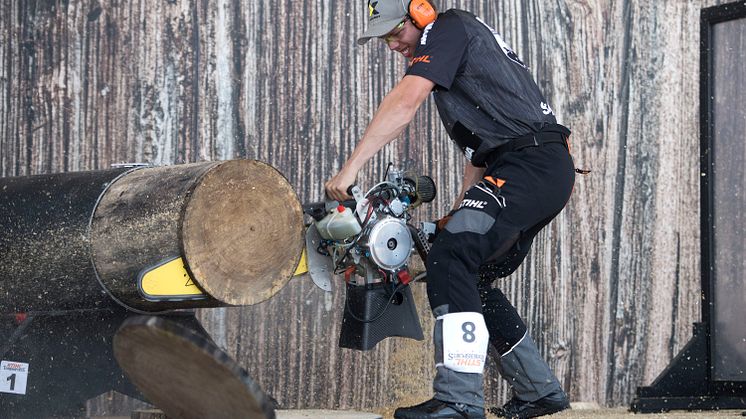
x,y
611,287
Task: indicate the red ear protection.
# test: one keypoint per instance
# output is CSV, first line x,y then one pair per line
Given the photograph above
x,y
422,13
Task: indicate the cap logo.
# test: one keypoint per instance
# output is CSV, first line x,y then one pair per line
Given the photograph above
x,y
372,9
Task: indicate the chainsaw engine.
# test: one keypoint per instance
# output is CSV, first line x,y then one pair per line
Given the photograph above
x,y
369,240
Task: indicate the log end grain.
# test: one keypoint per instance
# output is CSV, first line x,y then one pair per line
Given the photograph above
x,y
242,232
184,374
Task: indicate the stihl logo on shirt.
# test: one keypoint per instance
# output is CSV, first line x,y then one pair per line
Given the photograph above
x,y
420,59
473,203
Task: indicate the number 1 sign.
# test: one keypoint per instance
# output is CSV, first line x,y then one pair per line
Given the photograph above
x,y
13,377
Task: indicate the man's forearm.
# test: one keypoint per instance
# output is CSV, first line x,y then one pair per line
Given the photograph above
x,y
472,175
396,111
393,115
388,123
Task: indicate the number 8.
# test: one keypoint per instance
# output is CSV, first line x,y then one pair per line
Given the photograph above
x,y
469,328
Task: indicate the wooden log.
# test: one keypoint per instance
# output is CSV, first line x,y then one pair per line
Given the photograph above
x,y
234,230
44,259
184,373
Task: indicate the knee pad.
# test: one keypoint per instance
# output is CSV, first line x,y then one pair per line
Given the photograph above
x,y
461,341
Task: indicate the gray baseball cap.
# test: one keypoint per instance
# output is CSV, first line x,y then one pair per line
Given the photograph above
x,y
383,16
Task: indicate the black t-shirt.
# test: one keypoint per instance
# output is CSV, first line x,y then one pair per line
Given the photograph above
x,y
484,93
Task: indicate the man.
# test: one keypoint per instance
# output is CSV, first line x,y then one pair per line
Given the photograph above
x,y
518,177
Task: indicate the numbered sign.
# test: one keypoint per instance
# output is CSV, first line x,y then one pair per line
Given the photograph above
x,y
465,341
13,377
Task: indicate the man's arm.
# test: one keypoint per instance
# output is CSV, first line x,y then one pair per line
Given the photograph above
x,y
393,115
472,175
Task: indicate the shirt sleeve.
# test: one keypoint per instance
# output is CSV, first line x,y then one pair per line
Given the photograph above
x,y
441,50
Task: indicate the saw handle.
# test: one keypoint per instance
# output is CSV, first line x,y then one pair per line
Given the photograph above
x,y
355,192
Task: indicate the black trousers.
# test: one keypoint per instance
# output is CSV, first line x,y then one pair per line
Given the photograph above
x,y
490,235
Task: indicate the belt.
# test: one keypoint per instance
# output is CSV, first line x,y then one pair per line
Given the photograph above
x,y
553,133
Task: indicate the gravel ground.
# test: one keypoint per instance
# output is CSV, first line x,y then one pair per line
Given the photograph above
x,y
622,412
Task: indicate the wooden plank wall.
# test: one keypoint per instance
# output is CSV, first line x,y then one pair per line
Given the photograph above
x,y
611,287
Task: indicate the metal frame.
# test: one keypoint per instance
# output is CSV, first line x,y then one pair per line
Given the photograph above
x,y
710,17
687,383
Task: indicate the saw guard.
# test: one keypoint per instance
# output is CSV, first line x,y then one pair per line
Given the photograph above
x,y
320,267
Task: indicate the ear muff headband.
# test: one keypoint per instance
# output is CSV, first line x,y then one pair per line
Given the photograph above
x,y
421,12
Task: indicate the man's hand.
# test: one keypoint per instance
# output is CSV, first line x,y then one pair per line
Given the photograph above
x,y
441,223
336,187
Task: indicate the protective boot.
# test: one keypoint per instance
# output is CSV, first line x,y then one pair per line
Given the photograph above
x,y
436,409
536,391
519,409
461,341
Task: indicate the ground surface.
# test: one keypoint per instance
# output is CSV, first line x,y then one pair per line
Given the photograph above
x,y
592,411
318,414
579,411
623,413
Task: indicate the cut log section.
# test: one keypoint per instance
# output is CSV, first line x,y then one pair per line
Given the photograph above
x,y
135,228
237,225
185,374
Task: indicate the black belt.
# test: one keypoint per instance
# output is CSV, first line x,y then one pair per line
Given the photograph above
x,y
553,133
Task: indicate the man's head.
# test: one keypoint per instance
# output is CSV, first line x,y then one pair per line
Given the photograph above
x,y
389,18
